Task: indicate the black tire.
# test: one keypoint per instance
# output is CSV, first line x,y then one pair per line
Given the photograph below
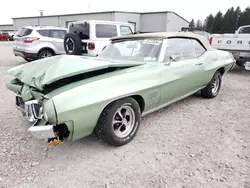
x,y
239,63
105,129
45,53
209,91
72,44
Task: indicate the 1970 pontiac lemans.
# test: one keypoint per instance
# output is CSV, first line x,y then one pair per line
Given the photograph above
x,y
68,97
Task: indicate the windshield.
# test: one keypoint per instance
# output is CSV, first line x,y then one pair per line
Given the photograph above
x,y
134,50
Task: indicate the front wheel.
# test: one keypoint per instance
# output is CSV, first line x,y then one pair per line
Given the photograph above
x,y
119,122
213,88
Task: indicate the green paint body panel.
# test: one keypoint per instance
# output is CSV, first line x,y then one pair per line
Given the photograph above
x,y
79,104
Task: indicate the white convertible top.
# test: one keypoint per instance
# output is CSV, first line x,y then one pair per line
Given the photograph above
x,y
166,35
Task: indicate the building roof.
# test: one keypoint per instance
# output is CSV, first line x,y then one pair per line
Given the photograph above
x,y
76,14
85,13
5,25
166,35
99,21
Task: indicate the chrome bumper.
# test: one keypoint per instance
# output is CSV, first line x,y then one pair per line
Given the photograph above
x,y
33,111
42,131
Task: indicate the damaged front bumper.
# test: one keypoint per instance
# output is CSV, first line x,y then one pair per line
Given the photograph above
x,y
34,113
40,128
42,131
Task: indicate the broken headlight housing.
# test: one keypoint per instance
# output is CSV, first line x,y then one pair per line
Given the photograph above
x,y
49,112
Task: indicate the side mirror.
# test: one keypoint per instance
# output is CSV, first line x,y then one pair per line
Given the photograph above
x,y
174,58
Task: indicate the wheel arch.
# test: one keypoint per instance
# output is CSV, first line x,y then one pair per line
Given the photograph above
x,y
46,48
221,70
138,98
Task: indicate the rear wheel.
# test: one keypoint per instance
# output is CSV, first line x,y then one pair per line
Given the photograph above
x,y
213,88
119,122
44,54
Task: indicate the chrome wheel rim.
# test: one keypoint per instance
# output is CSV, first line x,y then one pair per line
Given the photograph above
x,y
215,85
123,121
70,45
46,54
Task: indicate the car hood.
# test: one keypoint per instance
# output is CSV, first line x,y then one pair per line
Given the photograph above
x,y
43,72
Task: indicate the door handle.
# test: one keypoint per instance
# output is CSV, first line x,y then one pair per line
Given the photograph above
x,y
198,64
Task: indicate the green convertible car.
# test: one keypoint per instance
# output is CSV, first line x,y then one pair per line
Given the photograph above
x,y
69,97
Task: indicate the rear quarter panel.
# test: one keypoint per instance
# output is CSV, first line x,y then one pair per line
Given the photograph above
x,y
215,60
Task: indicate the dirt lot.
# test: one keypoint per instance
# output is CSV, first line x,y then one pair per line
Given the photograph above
x,y
193,143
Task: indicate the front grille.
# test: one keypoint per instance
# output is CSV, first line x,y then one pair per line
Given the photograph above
x,y
32,109
19,102
37,110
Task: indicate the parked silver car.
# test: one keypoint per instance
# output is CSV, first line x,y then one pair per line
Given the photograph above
x,y
37,42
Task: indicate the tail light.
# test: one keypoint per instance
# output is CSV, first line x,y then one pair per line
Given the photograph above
x,y
210,40
91,46
30,39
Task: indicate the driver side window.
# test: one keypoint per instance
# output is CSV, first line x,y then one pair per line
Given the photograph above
x,y
181,47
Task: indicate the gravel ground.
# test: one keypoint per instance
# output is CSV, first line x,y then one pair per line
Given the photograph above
x,y
192,143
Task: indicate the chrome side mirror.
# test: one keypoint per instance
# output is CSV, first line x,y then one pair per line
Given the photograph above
x,y
171,59
174,58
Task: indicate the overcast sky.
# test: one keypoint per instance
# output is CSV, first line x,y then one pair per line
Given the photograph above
x,y
197,9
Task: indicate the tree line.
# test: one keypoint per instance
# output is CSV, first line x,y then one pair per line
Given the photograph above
x,y
223,23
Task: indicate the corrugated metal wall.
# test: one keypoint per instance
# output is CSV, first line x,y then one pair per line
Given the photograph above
x,y
59,21
153,22
6,27
144,22
66,19
132,18
174,22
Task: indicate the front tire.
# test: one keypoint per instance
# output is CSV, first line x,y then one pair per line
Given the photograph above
x,y
119,122
213,88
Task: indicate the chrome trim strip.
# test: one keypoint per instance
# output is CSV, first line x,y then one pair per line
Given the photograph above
x,y
170,102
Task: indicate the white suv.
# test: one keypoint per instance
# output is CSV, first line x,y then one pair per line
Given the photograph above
x,y
38,42
89,37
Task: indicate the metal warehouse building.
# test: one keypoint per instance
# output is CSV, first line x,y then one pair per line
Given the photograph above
x,y
143,22
6,28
